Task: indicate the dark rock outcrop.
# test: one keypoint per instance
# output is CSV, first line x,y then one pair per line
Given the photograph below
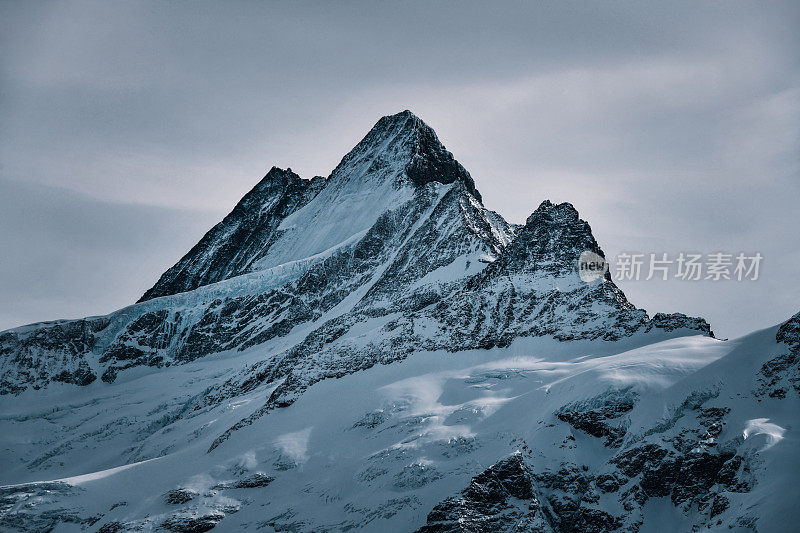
x,y
599,417
498,499
781,374
179,496
231,246
192,524
673,321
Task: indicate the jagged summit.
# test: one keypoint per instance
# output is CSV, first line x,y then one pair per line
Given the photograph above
x,y
231,246
286,219
564,211
405,139
550,242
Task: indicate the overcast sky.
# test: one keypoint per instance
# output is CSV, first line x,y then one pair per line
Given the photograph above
x,y
127,129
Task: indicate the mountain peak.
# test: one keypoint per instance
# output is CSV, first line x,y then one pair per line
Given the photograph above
x,y
551,240
403,119
405,140
547,210
229,248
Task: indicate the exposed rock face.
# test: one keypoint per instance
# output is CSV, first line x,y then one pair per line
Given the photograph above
x,y
231,247
549,244
192,524
500,498
430,161
781,375
600,416
179,496
33,355
531,289
681,460
259,479
673,321
16,500
789,332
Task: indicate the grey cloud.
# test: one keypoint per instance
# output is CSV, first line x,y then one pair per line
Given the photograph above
x,y
670,126
66,255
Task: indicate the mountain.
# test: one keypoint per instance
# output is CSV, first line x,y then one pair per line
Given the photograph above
x,y
376,349
242,237
282,220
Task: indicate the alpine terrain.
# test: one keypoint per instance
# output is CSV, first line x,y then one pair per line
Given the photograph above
x,y
378,351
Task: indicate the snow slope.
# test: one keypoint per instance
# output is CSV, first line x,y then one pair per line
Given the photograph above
x,y
378,449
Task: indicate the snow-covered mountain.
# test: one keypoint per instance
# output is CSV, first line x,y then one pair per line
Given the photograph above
x,y
378,350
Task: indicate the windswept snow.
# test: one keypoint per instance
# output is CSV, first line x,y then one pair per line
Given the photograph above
x,y
400,437
762,426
